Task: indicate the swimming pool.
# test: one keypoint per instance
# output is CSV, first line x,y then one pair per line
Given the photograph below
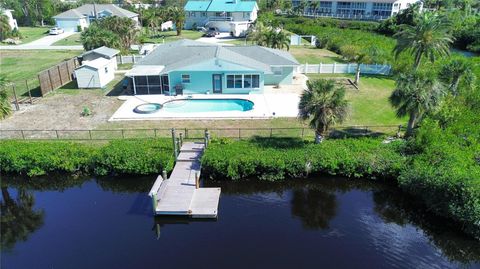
x,y
207,105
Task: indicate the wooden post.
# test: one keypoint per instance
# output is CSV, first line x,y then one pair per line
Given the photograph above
x,y
181,140
164,174
50,79
56,133
155,132
174,144
23,134
123,133
197,181
206,138
60,75
154,203
15,96
239,134
90,134
29,93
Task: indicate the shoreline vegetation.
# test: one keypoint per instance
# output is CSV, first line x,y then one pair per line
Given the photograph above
x,y
451,194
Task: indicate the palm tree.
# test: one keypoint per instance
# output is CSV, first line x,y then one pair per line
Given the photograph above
x,y
415,94
277,39
5,106
428,38
456,69
354,55
324,104
314,5
177,15
257,35
5,28
95,37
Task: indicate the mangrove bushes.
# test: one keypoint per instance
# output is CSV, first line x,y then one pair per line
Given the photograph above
x,y
136,157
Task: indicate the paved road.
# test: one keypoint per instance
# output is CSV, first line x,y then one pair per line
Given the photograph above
x,y
44,43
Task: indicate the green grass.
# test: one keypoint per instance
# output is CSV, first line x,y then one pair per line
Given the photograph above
x,y
69,41
369,105
30,34
171,36
312,55
21,65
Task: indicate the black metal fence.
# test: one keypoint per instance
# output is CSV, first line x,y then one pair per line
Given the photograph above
x,y
197,133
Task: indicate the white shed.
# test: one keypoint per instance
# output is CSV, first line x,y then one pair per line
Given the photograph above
x,y
95,74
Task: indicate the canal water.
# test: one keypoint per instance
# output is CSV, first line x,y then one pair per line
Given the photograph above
x,y
319,223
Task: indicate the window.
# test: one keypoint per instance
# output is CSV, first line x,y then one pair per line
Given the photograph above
x,y
106,70
277,71
243,81
246,14
185,78
204,14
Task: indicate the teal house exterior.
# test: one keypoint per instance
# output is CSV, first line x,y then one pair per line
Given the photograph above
x,y
221,14
190,67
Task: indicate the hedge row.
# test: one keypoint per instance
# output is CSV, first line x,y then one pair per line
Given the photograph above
x,y
35,158
448,187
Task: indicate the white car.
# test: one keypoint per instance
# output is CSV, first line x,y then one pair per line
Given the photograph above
x,y
56,31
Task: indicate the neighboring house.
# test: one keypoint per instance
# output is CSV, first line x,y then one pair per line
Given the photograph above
x,y
223,14
191,67
11,21
80,18
97,69
357,9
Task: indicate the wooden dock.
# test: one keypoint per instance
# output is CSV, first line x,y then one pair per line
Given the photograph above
x,y
181,195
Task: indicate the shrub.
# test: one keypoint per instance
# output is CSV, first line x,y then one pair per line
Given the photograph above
x,y
136,157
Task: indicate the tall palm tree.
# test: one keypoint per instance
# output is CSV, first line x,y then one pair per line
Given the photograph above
x,y
277,39
354,55
177,15
456,69
324,104
428,38
415,94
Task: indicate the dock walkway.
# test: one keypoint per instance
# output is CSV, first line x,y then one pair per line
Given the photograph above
x,y
179,194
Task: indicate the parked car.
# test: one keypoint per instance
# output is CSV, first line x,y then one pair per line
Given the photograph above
x,y
56,31
211,32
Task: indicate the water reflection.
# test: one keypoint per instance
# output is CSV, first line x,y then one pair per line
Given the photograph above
x,y
334,211
19,219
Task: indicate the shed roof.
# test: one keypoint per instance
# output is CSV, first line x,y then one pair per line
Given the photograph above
x,y
95,64
103,51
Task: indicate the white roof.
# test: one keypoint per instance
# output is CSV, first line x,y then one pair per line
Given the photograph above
x,y
145,70
95,64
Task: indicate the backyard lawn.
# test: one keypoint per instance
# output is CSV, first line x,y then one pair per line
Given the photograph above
x,y
19,65
172,36
369,105
69,41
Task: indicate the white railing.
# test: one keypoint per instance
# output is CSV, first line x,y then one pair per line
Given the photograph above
x,y
220,18
129,59
343,16
336,68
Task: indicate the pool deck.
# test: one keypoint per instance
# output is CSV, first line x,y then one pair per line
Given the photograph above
x,y
179,195
266,105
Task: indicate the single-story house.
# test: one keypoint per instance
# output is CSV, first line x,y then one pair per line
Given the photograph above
x,y
80,18
97,69
191,67
222,14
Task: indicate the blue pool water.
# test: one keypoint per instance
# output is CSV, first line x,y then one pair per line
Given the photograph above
x,y
207,105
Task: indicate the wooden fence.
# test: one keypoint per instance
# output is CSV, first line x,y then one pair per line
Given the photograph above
x,y
57,76
197,133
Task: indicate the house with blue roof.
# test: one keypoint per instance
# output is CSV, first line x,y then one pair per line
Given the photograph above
x,y
192,67
222,14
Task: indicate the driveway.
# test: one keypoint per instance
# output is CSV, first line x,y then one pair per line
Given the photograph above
x,y
45,42
222,37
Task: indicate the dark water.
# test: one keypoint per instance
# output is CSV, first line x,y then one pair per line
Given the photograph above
x,y
322,223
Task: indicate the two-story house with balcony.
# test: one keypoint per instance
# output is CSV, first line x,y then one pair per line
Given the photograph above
x,y
222,14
